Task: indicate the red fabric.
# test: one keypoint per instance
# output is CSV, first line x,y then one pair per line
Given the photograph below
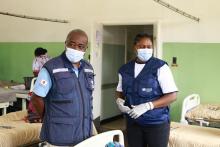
x,y
33,116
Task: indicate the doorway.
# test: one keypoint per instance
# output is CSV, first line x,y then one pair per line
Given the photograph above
x,y
117,44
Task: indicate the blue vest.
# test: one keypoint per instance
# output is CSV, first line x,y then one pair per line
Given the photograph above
x,y
68,105
144,88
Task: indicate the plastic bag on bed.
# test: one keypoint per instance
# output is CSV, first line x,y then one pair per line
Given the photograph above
x,y
113,144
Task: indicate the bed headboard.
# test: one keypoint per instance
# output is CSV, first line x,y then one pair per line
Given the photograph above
x,y
102,139
189,102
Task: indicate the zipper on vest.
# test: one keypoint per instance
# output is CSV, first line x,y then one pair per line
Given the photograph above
x,y
82,108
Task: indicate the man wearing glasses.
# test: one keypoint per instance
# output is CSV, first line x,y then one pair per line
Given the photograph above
x,y
63,94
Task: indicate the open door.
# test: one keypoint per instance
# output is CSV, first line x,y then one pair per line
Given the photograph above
x,y
113,57
117,49
111,47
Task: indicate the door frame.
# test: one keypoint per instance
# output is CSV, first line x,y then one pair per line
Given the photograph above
x,y
156,31
96,52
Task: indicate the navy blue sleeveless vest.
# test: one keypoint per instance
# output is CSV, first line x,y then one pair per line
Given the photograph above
x,y
144,88
68,105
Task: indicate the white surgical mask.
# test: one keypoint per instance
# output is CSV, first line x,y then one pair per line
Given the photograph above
x,y
144,54
74,55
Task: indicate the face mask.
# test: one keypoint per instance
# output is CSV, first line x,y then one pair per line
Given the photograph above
x,y
144,54
74,55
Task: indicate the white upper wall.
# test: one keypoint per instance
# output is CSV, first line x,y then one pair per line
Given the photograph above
x,y
84,13
26,30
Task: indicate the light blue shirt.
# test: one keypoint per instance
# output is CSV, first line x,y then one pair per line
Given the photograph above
x,y
44,83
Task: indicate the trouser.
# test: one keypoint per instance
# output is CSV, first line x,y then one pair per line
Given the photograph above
x,y
156,135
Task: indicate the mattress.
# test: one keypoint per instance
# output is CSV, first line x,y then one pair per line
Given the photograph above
x,y
207,112
14,131
193,136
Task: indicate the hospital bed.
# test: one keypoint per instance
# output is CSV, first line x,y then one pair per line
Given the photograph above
x,y
6,93
200,114
182,135
4,106
10,92
9,96
24,95
102,139
15,131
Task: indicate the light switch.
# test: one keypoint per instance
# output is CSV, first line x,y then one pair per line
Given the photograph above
x,y
174,62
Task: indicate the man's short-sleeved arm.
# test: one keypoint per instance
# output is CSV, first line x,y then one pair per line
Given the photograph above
x,y
165,78
43,83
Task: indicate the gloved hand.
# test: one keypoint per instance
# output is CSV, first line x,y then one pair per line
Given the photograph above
x,y
138,110
120,102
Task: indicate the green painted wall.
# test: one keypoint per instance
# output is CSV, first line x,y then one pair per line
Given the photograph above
x,y
16,58
197,72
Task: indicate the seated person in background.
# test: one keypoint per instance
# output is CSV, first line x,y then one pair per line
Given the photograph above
x,y
40,59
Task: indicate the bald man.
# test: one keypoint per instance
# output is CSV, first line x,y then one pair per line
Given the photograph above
x,y
63,94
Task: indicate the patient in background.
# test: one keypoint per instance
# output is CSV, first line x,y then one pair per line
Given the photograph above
x,y
40,59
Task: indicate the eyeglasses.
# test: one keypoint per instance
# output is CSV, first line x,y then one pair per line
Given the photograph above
x,y
81,47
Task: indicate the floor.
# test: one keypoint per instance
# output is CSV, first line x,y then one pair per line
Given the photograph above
x,y
115,124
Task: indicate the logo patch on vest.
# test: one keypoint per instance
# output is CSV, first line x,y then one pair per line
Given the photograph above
x,y
60,70
43,82
147,89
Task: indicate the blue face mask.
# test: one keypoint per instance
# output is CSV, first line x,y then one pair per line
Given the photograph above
x,y
144,54
74,55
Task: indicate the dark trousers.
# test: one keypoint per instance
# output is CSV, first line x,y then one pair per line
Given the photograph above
x,y
148,136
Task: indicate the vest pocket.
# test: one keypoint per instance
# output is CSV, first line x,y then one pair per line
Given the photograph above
x,y
63,130
64,107
64,82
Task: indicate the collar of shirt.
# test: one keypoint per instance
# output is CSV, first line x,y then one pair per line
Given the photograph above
x,y
76,70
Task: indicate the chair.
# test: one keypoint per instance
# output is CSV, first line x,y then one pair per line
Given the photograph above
x,y
32,84
189,102
26,96
102,139
31,88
